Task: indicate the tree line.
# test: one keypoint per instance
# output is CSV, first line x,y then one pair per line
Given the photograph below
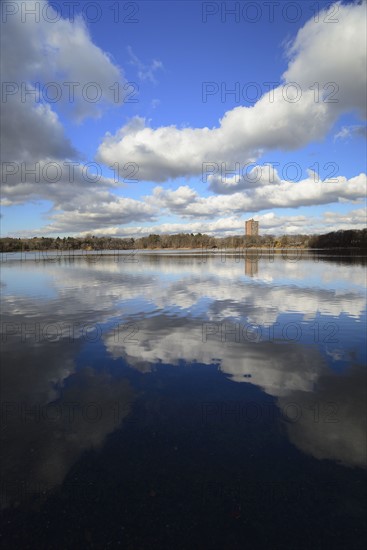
x,y
337,239
349,238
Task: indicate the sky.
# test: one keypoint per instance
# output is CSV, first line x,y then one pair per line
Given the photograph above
x,y
128,118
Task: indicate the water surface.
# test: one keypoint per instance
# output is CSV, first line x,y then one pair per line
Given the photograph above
x,y
184,401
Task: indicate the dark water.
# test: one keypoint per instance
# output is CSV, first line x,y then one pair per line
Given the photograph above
x,y
181,402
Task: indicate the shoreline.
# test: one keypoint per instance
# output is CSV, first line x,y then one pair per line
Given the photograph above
x,y
245,250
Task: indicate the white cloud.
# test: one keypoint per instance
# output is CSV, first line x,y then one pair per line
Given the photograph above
x,y
243,179
353,219
83,206
63,51
244,133
98,211
186,202
50,54
104,224
321,53
145,72
348,132
333,53
66,183
21,121
58,52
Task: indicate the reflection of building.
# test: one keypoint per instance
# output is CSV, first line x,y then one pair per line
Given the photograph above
x,y
251,266
252,228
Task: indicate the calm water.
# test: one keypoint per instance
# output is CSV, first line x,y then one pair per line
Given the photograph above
x,y
184,402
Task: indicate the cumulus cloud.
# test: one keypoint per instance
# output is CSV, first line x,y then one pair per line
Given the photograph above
x,y
244,133
186,202
57,53
84,196
63,51
65,182
287,118
101,209
270,224
41,58
80,195
241,180
44,53
335,54
21,121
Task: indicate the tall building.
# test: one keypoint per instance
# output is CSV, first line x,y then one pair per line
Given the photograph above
x,y
251,228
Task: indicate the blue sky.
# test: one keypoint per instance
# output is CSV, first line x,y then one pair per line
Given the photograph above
x,y
231,112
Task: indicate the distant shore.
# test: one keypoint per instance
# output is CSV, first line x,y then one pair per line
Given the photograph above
x,y
350,240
